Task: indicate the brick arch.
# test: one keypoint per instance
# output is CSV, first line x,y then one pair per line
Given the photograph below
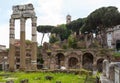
x,y
117,45
72,56
87,60
73,63
99,64
60,59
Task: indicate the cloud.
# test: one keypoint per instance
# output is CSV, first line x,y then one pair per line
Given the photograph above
x,y
4,34
79,9
50,12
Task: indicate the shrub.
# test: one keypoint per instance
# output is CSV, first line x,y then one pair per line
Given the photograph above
x,y
72,42
65,46
53,39
116,54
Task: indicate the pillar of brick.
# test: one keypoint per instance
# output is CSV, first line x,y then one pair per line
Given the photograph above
x,y
34,45
11,46
22,44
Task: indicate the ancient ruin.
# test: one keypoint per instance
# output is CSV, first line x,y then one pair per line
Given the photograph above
x,y
111,72
22,12
88,54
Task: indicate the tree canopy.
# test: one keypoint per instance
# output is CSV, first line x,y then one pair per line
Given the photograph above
x,y
76,25
102,18
62,31
44,29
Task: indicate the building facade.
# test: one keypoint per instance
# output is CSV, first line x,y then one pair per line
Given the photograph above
x,y
3,57
113,37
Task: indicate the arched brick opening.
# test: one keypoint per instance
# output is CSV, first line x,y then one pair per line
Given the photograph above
x,y
118,45
99,64
87,61
40,63
60,59
73,63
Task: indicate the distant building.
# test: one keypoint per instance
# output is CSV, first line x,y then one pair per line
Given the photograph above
x,y
2,47
3,57
113,37
68,19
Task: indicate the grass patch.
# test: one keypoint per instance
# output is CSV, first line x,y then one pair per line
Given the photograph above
x,y
39,77
116,54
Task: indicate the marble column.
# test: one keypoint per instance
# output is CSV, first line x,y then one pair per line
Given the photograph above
x,y
11,46
22,44
34,45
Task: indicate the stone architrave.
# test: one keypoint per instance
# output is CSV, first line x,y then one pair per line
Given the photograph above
x,y
23,12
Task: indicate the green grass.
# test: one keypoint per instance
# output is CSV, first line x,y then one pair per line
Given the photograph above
x,y
116,54
33,77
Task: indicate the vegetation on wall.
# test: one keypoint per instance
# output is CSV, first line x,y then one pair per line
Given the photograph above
x,y
116,54
53,39
72,42
61,31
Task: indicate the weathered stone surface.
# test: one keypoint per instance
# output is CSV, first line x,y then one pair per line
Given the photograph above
x,y
26,11
117,75
112,71
10,81
105,67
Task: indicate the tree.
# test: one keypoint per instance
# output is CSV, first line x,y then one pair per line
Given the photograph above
x,y
72,42
75,25
100,20
61,31
44,29
53,39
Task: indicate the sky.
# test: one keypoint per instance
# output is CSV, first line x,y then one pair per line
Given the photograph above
x,y
48,12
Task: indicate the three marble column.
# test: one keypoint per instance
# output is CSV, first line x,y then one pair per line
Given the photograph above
x,y
22,45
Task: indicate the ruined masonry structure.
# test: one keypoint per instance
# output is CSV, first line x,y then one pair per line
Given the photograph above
x,y
22,12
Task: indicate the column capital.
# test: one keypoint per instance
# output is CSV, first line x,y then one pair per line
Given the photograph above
x,y
12,20
23,20
34,19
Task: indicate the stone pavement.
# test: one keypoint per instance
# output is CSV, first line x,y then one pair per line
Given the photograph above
x,y
103,79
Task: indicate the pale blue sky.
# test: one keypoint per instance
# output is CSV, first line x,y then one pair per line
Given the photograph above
x,y
49,12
